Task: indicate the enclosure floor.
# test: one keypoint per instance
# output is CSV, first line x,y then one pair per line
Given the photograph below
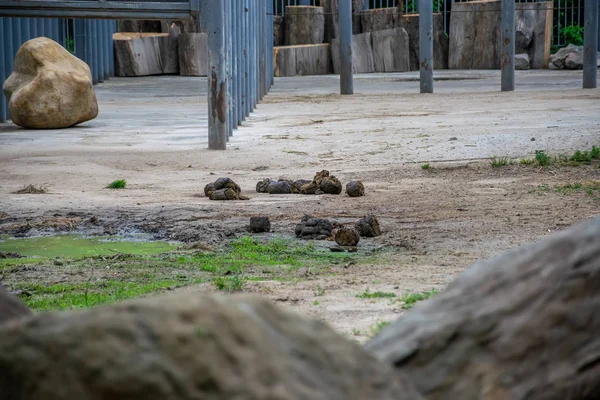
x,y
152,132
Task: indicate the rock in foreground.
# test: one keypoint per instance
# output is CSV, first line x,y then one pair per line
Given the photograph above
x,y
355,189
188,347
224,189
49,88
524,325
260,224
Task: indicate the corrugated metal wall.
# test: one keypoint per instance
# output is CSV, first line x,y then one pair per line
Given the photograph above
x,y
90,40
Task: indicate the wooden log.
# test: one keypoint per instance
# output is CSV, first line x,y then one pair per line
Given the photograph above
x,y
278,30
193,54
330,8
11,307
391,50
475,34
410,22
525,325
141,54
312,59
304,25
362,54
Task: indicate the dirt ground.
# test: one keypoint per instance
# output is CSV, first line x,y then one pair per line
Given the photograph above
x,y
435,222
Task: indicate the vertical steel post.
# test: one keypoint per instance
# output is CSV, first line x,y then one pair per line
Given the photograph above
x,y
599,26
248,96
33,27
366,5
79,39
229,69
507,55
111,48
48,27
55,30
240,57
234,61
61,25
25,32
40,27
426,45
271,43
9,51
261,38
96,53
106,38
17,42
590,45
304,3
99,48
3,74
89,50
217,78
346,62
252,35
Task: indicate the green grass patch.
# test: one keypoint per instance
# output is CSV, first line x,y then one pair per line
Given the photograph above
x,y
118,184
229,283
499,162
375,329
74,246
85,295
410,299
367,294
425,166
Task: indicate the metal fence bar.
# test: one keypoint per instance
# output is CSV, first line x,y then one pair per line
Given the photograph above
x,y
426,46
234,71
254,58
111,49
217,78
229,6
25,33
271,44
590,49
245,33
345,47
507,40
3,74
263,47
99,49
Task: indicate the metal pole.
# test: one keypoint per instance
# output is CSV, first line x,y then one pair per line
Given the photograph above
x,y
366,5
217,79
106,38
33,27
55,30
99,49
252,74
229,69
271,44
40,27
426,45
262,38
111,52
25,32
3,57
240,58
48,27
247,96
507,55
304,3
234,63
590,45
79,39
346,62
17,42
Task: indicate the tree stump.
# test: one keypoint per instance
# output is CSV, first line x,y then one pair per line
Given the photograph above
x,y
141,54
304,25
310,59
525,325
193,54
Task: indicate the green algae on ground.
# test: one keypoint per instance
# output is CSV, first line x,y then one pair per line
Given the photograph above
x,y
74,246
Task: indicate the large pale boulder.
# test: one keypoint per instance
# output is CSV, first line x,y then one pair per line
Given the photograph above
x,y
49,88
188,347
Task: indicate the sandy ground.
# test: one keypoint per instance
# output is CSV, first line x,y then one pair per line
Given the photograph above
x,y
151,132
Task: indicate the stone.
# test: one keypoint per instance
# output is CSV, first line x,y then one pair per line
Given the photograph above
x,y
506,325
261,186
331,185
362,54
521,61
355,189
368,226
304,25
223,194
143,54
558,59
302,60
184,347
279,187
347,237
574,60
11,308
49,88
310,188
391,50
313,228
260,224
193,54
222,183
